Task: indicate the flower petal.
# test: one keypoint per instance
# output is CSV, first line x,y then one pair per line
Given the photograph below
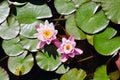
x,y
40,44
71,55
71,38
64,57
78,51
56,42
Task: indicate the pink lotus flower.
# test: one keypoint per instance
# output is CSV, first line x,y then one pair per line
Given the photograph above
x,y
67,49
46,33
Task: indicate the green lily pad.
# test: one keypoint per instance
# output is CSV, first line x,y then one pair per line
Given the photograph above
x,y
29,44
4,11
49,60
62,69
72,28
10,28
104,42
21,64
28,30
101,73
77,3
64,7
30,13
112,10
12,47
114,75
74,74
90,39
3,74
89,20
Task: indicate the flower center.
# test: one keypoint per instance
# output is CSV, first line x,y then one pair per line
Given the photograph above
x,y
47,33
67,48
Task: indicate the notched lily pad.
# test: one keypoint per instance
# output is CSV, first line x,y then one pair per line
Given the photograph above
x,y
3,74
10,28
30,13
4,11
112,10
89,20
74,74
104,42
12,47
21,64
49,60
101,73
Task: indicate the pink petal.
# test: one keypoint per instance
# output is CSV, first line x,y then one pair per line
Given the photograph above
x,y
71,38
56,42
40,44
71,55
78,51
64,57
118,63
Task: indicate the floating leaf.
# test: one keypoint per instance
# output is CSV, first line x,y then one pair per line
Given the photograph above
x,y
89,20
29,44
49,60
62,69
114,75
74,74
64,7
103,40
112,10
30,13
28,30
3,74
79,2
21,64
10,28
101,73
90,39
4,11
12,47
72,29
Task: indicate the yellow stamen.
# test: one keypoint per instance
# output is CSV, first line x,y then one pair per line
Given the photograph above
x,y
47,33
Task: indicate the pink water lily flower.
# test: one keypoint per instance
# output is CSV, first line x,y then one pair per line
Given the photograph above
x,y
46,33
67,49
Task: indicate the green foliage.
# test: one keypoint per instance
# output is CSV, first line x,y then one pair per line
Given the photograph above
x,y
30,13
89,20
104,40
85,19
12,47
72,28
4,11
3,74
21,65
101,73
48,62
74,74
